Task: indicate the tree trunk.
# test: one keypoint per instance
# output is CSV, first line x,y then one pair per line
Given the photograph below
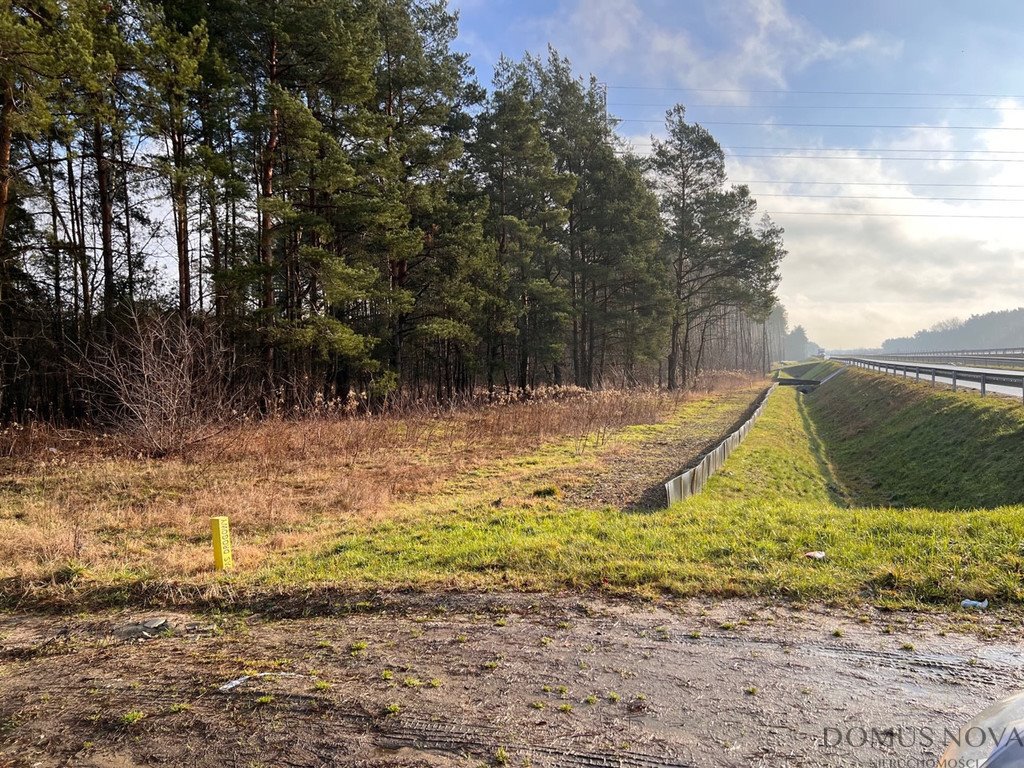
x,y
685,353
266,227
673,351
127,220
6,139
58,291
524,344
106,212
80,264
7,364
179,200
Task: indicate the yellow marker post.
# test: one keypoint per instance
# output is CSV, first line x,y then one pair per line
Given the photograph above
x,y
221,543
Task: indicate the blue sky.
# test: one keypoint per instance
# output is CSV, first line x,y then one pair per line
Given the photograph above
x,y
850,279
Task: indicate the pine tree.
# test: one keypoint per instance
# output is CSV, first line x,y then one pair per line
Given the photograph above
x,y
170,60
690,168
350,211
528,198
424,92
27,39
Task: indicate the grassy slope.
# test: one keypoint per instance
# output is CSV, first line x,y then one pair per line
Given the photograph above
x,y
823,369
746,534
815,369
905,444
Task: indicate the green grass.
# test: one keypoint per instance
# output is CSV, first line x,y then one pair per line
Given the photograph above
x,y
777,497
131,718
897,442
870,469
521,481
812,369
121,558
823,369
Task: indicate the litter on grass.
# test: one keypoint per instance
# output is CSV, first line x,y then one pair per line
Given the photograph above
x,y
232,684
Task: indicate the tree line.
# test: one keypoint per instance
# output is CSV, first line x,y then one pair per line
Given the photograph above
x,y
796,345
324,187
993,330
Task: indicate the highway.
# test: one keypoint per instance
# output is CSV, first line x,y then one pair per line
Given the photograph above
x,y
981,358
1002,381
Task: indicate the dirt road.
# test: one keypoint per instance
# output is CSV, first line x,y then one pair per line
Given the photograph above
x,y
521,680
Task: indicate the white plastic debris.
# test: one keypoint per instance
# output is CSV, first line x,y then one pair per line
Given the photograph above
x,y
815,555
979,605
232,684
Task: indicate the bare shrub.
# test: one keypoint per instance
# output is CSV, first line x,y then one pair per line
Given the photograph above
x,y
162,383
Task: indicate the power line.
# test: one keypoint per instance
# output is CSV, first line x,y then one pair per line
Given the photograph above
x,y
875,183
878,157
730,147
730,153
880,149
915,107
841,125
891,215
816,93
895,197
868,157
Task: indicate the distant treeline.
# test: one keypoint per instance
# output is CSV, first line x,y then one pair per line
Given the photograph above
x,y
993,330
796,345
323,191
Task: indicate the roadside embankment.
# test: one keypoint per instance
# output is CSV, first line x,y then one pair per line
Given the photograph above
x,y
899,443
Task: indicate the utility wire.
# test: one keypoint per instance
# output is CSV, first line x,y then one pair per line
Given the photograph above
x,y
883,157
875,183
942,150
816,93
869,157
936,159
879,149
891,215
915,107
842,125
895,197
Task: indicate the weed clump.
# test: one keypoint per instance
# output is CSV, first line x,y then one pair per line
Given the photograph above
x,y
548,492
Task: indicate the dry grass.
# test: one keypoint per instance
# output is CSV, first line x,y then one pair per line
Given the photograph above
x,y
73,503
745,535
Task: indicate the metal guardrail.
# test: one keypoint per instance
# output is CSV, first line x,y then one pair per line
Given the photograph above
x,y
1000,358
944,352
956,376
692,481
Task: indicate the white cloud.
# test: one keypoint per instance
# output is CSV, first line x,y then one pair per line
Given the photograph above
x,y
850,280
631,40
856,280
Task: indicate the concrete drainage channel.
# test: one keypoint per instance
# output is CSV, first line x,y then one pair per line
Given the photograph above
x,y
692,481
806,387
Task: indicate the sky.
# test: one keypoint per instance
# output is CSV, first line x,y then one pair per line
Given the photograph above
x,y
887,138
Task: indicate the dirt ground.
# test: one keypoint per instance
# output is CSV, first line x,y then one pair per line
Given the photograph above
x,y
457,680
633,477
